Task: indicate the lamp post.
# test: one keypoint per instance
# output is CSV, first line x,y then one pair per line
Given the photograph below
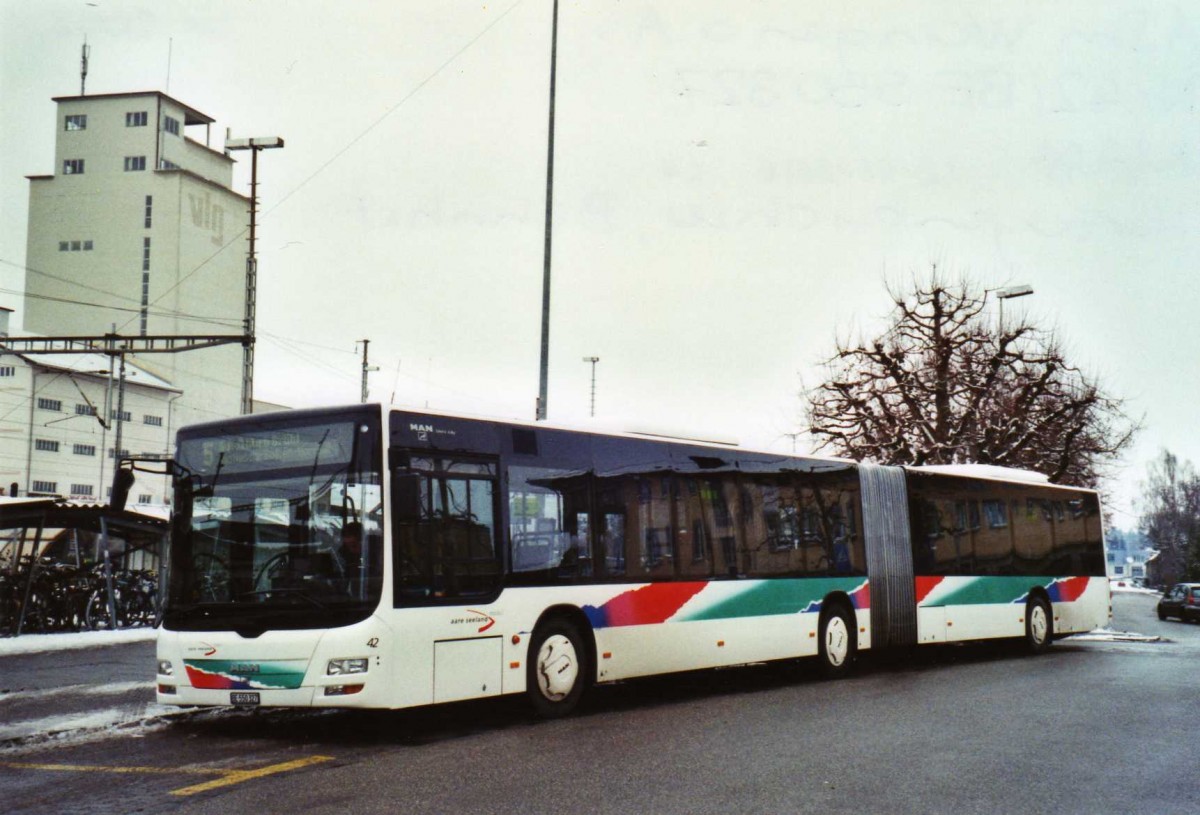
x,y
1008,294
543,371
254,146
593,360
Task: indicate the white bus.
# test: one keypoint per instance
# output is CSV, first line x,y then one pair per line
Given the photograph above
x,y
370,557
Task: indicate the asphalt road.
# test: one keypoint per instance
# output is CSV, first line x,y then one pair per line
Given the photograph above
x,y
1084,728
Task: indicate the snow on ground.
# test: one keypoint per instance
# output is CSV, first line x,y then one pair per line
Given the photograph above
x,y
77,728
1109,635
111,689
37,643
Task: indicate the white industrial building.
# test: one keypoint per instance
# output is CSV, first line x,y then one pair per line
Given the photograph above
x,y
137,232
139,228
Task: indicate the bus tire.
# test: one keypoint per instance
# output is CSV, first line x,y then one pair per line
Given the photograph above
x,y
836,641
1039,625
556,672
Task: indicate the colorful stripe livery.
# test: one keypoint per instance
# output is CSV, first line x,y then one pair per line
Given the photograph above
x,y
224,674
722,600
933,592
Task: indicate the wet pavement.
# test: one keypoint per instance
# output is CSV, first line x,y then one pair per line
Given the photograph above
x,y
58,694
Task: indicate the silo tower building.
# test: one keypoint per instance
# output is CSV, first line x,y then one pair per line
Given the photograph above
x,y
139,227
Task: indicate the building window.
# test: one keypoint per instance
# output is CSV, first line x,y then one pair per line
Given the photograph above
x,y
171,125
73,166
8,370
153,421
63,246
145,498
76,122
45,445
145,254
149,209
85,410
45,486
124,453
135,163
76,246
87,246
81,489
163,164
121,415
85,450
136,119
49,404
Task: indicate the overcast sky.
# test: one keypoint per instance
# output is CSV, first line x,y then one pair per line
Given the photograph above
x,y
734,184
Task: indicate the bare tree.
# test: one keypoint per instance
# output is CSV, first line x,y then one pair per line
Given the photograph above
x,y
944,385
1171,517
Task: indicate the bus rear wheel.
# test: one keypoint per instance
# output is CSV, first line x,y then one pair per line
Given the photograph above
x,y
556,669
1039,625
837,642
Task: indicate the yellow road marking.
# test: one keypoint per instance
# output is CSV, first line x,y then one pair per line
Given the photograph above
x,y
225,777
238,776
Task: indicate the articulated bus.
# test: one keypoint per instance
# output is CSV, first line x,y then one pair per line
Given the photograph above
x,y
371,557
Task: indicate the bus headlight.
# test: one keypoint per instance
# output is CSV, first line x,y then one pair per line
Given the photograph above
x,y
339,667
165,668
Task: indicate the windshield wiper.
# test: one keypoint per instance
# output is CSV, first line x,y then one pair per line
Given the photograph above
x,y
301,593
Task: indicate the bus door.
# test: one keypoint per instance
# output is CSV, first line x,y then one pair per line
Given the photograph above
x,y
446,553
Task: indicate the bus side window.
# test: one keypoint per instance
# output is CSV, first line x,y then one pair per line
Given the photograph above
x,y
548,531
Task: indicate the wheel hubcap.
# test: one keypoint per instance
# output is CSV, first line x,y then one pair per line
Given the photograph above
x,y
557,667
1037,624
837,641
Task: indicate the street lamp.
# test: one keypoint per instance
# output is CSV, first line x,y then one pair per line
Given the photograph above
x,y
1008,294
593,360
254,146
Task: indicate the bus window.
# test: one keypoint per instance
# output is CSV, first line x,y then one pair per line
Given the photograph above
x,y
447,549
610,512
548,529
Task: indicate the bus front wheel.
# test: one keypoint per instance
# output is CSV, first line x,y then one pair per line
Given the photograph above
x,y
1039,625
556,668
837,642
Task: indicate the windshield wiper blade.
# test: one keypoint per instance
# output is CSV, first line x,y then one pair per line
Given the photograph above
x,y
301,593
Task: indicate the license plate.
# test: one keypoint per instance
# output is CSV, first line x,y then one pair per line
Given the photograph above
x,y
244,698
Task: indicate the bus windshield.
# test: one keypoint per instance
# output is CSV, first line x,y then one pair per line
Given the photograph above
x,y
277,524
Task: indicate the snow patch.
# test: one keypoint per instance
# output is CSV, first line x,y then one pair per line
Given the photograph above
x,y
1108,635
38,643
92,720
111,689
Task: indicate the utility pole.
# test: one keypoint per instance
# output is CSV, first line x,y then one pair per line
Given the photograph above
x,y
248,323
120,417
366,368
593,360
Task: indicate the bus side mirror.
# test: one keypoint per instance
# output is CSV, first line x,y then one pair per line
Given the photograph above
x,y
122,483
406,496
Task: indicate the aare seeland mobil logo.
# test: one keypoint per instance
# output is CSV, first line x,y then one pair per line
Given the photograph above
x,y
484,621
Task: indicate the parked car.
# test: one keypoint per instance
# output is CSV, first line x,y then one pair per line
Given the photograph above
x,y
1181,600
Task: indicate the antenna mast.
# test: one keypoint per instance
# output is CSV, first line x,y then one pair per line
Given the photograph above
x,y
83,68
